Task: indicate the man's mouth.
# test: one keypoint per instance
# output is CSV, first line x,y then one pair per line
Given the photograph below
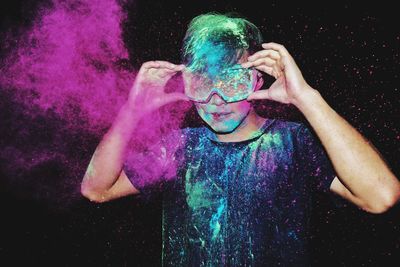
x,y
218,116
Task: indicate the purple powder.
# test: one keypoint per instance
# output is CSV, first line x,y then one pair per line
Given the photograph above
x,y
68,63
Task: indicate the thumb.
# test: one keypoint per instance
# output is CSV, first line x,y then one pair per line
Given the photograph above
x,y
260,94
172,97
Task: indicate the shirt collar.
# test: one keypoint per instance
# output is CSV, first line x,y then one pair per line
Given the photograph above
x,y
255,135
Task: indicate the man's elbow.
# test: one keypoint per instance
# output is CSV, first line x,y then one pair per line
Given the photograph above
x,y
92,195
388,199
392,198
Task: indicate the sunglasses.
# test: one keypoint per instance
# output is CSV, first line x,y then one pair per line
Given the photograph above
x,y
232,85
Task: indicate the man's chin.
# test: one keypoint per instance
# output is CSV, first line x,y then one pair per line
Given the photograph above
x,y
221,128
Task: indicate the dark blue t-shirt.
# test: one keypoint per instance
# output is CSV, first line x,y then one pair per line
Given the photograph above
x,y
242,203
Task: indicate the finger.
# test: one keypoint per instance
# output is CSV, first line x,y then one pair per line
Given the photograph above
x,y
162,71
264,53
268,62
286,59
173,70
172,97
180,67
277,47
270,53
262,61
260,94
161,64
169,65
150,64
166,72
266,69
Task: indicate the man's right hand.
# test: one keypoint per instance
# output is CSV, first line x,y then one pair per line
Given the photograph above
x,y
148,91
105,179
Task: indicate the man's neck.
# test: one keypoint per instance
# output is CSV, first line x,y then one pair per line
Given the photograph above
x,y
246,130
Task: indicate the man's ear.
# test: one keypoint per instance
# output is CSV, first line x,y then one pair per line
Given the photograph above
x,y
259,82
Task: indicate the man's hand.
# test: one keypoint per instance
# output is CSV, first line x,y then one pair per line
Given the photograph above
x,y
276,61
147,93
362,175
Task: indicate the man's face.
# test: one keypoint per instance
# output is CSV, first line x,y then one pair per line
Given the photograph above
x,y
221,116
221,100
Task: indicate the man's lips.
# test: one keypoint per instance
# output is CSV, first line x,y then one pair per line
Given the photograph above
x,y
220,115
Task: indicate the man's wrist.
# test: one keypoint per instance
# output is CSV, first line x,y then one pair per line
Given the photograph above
x,y
127,119
309,98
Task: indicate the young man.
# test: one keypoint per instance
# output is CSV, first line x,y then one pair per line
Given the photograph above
x,y
241,196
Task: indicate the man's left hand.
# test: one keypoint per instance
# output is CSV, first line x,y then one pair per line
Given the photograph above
x,y
275,60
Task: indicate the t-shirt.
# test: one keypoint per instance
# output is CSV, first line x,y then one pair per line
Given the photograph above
x,y
242,203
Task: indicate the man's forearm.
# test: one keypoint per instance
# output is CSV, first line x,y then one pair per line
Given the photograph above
x,y
357,163
107,161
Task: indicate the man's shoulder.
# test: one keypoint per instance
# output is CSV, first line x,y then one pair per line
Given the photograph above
x,y
187,136
192,132
284,126
184,133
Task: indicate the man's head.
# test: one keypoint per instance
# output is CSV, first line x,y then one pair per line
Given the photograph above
x,y
213,48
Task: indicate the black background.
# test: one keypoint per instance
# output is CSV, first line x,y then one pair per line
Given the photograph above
x,y
349,52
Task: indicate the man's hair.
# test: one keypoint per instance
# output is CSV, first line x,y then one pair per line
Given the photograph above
x,y
214,40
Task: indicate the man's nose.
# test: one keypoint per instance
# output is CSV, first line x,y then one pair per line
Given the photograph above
x,y
217,100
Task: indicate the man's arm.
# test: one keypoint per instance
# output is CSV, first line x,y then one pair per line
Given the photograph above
x,y
363,177
104,179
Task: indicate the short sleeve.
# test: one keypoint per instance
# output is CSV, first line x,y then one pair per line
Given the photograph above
x,y
142,177
150,166
312,160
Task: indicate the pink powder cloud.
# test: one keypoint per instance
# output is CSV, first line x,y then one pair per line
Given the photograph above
x,y
69,63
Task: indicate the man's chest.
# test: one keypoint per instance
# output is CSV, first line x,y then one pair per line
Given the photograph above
x,y
234,180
